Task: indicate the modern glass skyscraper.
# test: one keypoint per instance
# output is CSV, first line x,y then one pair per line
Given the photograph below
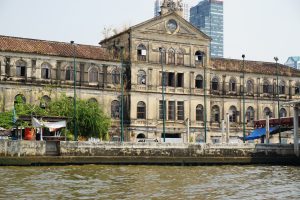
x,y
186,9
207,16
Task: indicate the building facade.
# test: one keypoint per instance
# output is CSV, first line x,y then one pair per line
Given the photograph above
x,y
294,62
207,16
169,80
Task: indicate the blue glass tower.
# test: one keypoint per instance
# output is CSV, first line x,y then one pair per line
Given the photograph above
x,y
207,16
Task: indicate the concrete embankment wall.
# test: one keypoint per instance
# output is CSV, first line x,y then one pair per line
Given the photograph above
x,y
36,153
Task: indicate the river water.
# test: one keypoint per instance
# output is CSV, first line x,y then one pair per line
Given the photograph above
x,y
150,182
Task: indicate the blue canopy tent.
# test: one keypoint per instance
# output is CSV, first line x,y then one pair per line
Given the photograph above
x,y
260,132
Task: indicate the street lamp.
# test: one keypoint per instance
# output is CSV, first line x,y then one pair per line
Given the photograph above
x,y
278,103
244,114
74,70
205,109
163,93
122,94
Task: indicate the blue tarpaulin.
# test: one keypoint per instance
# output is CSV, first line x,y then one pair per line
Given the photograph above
x,y
258,133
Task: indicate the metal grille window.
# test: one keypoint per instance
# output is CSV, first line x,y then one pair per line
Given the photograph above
x,y
115,109
93,75
215,117
141,53
171,56
199,82
21,68
45,71
141,110
69,73
180,110
199,113
171,110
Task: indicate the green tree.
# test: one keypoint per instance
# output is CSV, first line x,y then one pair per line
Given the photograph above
x,y
91,120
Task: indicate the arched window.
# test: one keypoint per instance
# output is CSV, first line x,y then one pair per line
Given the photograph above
x,y
215,114
162,55
232,114
141,77
250,114
45,100
171,56
46,70
215,83
232,85
115,109
250,86
297,88
199,82
115,77
180,57
281,87
199,57
267,87
69,73
141,136
199,113
267,111
93,75
20,98
21,68
141,53
92,100
141,110
283,112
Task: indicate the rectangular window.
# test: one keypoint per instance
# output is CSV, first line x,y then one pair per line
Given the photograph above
x,y
180,110
180,80
171,110
171,79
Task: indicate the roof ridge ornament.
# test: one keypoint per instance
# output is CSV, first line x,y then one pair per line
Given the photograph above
x,y
172,6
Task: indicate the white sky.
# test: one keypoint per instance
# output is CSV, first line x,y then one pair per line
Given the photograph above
x,y
261,29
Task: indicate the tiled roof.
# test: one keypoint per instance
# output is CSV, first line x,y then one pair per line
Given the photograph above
x,y
257,67
51,48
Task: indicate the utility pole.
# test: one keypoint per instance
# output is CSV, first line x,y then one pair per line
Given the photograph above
x,y
278,100
163,93
244,114
74,74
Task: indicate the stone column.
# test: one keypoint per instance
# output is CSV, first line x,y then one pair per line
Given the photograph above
x,y
296,126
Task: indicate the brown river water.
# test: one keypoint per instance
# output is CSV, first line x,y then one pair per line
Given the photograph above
x,y
150,182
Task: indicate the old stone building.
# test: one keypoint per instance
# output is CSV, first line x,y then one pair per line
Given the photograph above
x,y
196,89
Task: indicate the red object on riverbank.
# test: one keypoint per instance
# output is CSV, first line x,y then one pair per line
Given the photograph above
x,y
29,134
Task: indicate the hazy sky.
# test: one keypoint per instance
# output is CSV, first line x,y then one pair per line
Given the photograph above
x,y
261,29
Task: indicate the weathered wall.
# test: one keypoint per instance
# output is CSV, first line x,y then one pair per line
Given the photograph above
x,y
22,148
